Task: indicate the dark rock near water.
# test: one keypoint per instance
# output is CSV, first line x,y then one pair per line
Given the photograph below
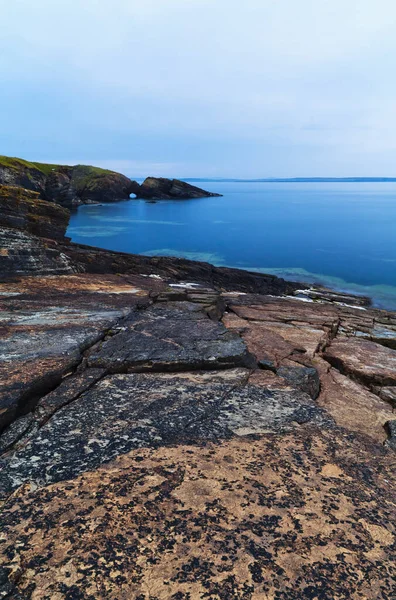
x,y
159,188
97,260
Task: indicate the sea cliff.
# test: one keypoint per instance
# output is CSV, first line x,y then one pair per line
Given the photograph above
x,y
170,429
81,184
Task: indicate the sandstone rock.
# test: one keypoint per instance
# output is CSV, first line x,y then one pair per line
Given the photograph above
x,y
159,188
368,362
352,406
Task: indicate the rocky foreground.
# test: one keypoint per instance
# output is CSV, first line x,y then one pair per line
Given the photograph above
x,y
172,430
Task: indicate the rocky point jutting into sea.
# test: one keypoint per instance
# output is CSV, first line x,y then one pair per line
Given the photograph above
x,y
174,430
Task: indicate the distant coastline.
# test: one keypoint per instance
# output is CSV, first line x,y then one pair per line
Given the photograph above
x,y
299,180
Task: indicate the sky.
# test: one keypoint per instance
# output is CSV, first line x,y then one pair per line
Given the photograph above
x,y
201,88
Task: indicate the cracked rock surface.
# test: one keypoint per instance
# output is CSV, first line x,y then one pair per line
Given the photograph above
x,y
182,440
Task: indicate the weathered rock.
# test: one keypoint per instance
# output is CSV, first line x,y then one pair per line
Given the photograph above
x,y
306,514
15,432
368,362
386,336
45,330
305,379
59,188
287,335
25,254
391,428
388,394
159,188
352,406
123,412
22,209
173,338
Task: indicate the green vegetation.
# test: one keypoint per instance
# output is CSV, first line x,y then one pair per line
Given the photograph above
x,y
46,168
18,163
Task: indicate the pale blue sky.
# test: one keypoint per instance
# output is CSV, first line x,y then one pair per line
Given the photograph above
x,y
259,88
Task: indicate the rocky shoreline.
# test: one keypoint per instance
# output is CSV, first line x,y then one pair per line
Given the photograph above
x,y
175,430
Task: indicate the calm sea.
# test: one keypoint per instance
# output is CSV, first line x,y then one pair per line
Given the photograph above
x,y
342,235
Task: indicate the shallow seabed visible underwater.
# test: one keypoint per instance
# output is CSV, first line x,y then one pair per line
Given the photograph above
x,y
342,235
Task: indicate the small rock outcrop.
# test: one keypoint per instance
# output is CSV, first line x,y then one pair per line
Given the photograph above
x,y
159,188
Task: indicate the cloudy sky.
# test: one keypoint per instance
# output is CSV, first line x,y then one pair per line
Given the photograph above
x,y
260,88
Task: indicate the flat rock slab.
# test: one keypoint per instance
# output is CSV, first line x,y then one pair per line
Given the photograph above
x,y
306,515
48,324
370,363
353,406
123,412
173,337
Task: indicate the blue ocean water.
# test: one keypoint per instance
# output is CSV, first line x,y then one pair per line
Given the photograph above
x,y
342,235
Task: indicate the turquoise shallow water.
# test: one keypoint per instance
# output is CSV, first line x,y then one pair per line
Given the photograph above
x,y
339,234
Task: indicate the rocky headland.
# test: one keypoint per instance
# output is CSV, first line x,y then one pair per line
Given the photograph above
x,y
173,430
160,188
72,186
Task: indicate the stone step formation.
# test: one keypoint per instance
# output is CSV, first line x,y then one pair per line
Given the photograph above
x,y
175,430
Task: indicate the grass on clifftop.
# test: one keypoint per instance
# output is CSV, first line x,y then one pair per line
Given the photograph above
x,y
47,168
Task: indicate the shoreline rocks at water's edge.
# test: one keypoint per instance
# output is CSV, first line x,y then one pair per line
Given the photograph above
x,y
176,427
